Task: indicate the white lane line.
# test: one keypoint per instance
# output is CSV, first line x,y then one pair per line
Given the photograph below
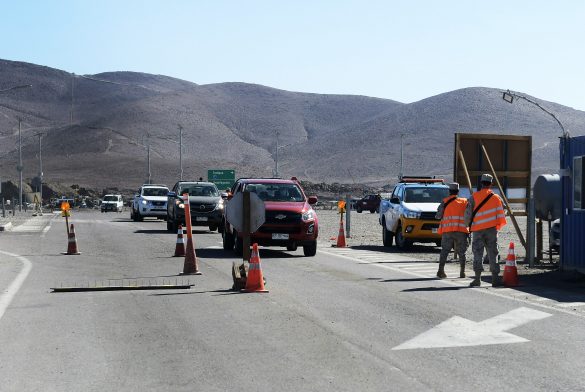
x,y
447,282
570,304
8,296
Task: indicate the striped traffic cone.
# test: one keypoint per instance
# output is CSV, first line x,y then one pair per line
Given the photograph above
x,y
180,247
510,278
341,236
72,243
255,279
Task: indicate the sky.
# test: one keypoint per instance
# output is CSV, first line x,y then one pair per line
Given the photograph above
x,y
400,50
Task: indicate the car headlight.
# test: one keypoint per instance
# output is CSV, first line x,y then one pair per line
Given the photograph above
x,y
411,214
144,202
309,215
219,205
180,204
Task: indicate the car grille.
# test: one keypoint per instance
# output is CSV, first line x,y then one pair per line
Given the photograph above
x,y
202,207
282,218
430,226
279,229
428,215
159,203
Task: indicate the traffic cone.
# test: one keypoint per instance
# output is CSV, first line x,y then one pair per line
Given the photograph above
x,y
191,266
510,278
72,243
180,247
341,236
255,280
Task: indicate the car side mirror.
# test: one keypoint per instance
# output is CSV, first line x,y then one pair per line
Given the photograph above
x,y
171,194
312,200
395,200
229,196
224,195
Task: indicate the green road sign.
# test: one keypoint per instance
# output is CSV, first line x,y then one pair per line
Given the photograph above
x,y
223,179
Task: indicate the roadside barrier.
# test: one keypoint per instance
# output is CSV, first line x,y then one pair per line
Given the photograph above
x,y
510,278
180,246
255,279
72,243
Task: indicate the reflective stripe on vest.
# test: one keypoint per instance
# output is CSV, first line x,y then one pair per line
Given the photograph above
x,y
491,213
453,216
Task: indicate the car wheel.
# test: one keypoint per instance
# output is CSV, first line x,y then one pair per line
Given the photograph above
x,y
139,218
359,209
291,247
310,250
228,240
372,211
132,214
238,245
401,242
387,235
212,227
438,243
169,225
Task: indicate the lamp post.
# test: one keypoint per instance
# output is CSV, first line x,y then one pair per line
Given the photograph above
x,y
277,148
509,96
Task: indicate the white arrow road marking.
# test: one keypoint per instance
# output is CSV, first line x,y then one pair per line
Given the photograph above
x,y
460,332
8,296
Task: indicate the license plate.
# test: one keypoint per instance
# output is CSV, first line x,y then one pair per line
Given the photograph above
x,y
201,218
279,236
435,230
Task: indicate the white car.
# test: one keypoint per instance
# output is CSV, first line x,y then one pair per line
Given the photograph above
x,y
150,201
112,203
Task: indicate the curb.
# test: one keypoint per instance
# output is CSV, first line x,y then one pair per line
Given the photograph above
x,y
6,226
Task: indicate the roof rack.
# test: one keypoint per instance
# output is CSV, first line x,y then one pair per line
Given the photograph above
x,y
155,185
421,179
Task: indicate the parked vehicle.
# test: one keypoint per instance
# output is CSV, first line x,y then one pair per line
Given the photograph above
x,y
112,203
290,221
368,203
150,201
205,203
409,215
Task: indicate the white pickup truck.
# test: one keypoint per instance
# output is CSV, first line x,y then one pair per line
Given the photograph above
x,y
150,201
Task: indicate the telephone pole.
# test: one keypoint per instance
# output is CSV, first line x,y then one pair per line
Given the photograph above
x,y
181,151
19,167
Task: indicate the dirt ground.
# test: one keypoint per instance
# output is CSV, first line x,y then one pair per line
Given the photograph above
x,y
366,233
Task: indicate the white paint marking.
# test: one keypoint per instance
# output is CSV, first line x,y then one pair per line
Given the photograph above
x,y
460,332
8,296
570,304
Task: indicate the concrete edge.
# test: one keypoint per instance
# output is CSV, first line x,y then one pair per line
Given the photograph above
x,y
6,226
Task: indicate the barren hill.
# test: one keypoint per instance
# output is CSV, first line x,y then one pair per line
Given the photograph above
x,y
97,128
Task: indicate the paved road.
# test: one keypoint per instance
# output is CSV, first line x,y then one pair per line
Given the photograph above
x,y
345,320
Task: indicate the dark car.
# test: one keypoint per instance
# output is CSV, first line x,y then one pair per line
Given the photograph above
x,y
368,203
290,218
205,204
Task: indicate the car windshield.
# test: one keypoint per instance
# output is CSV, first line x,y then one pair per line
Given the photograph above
x,y
111,198
276,192
155,192
425,195
199,190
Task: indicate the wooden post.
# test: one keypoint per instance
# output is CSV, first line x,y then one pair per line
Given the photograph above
x,y
512,217
539,240
466,172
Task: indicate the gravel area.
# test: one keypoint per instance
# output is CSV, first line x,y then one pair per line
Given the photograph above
x,y
366,233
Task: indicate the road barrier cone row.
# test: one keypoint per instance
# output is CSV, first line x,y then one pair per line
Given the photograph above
x,y
180,247
255,279
72,243
510,278
341,236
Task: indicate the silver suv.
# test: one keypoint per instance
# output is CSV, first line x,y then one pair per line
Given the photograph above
x,y
150,201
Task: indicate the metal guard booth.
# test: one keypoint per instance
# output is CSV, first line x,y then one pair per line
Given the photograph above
x,y
572,157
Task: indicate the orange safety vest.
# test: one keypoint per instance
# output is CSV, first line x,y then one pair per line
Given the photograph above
x,y
491,213
454,216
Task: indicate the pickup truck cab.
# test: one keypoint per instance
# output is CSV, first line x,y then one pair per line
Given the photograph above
x,y
150,201
112,203
409,215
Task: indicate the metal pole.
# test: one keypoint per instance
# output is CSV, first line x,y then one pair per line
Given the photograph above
x,y
401,156
41,166
181,151
19,166
71,108
276,158
348,218
3,209
148,154
530,233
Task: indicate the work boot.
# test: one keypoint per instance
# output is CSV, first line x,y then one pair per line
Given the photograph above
x,y
496,281
477,281
441,272
462,271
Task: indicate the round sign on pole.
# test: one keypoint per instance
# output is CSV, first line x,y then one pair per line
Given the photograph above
x,y
234,212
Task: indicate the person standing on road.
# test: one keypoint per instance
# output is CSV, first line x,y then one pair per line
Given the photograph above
x,y
453,229
485,216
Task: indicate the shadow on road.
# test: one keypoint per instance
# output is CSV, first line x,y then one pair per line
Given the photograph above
x,y
155,231
408,280
449,288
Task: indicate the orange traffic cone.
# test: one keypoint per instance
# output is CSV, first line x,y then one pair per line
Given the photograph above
x,y
191,266
510,278
72,243
180,247
255,280
341,236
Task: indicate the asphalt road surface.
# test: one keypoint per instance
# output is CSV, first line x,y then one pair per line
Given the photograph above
x,y
346,320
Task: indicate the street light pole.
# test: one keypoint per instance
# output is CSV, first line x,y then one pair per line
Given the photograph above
x,y
509,96
19,167
401,156
181,151
276,158
41,166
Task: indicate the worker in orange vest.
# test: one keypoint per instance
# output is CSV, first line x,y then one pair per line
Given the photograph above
x,y
452,228
485,216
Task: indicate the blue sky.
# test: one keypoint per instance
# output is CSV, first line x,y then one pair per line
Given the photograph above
x,y
401,50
